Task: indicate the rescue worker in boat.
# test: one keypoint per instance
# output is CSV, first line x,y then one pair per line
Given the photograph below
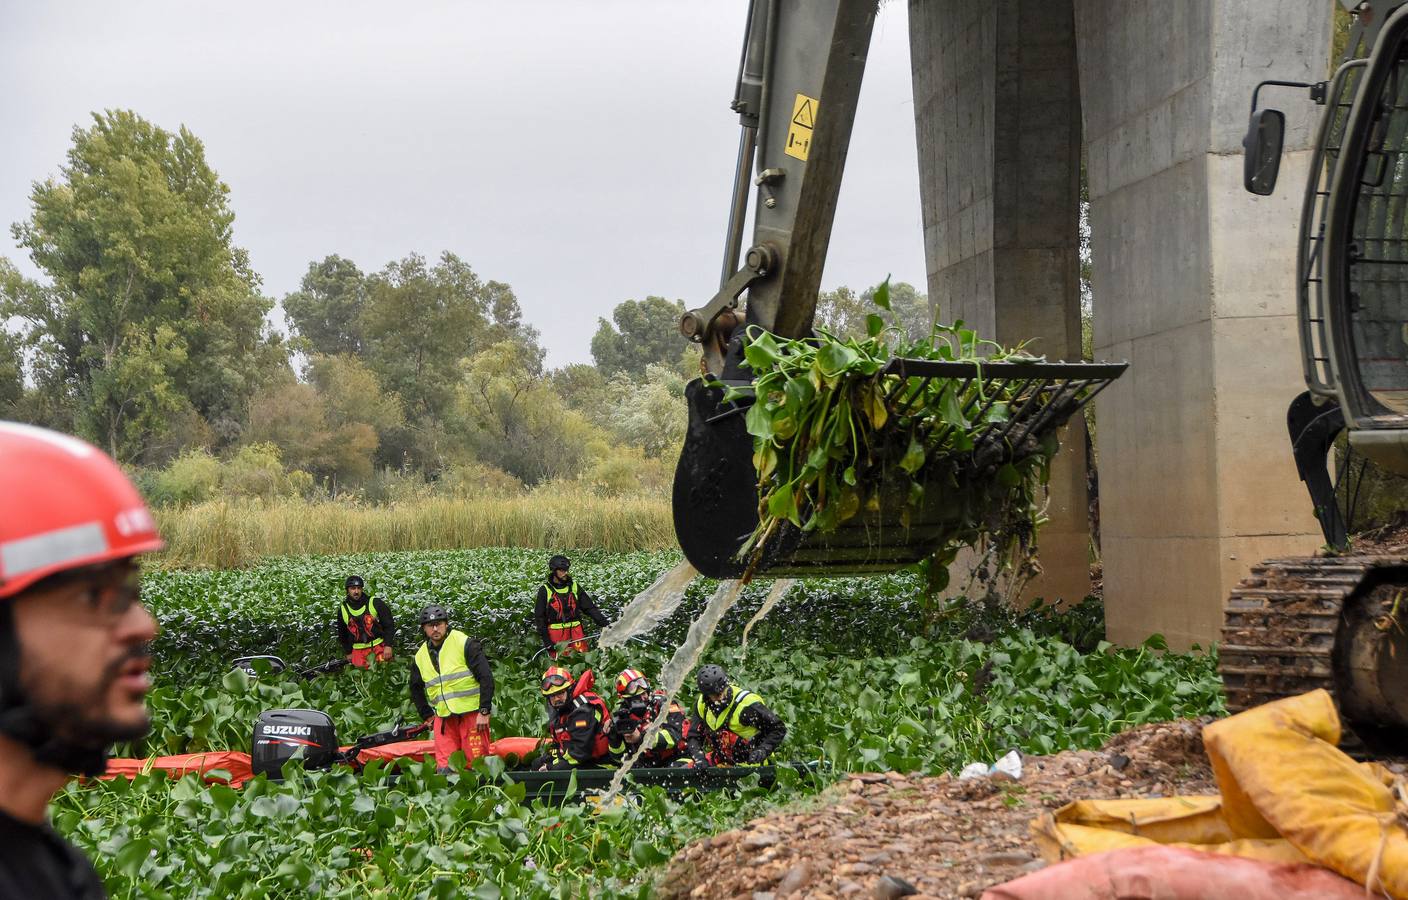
x,y
559,607
451,681
731,726
578,722
364,626
637,706
74,643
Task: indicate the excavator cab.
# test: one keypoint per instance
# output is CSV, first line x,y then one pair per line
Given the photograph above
x,y
798,83
1339,621
1353,261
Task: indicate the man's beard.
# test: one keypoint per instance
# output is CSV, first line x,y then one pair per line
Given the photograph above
x,y
74,722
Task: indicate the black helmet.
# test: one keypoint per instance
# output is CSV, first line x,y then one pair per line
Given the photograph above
x,y
559,562
353,581
434,613
711,680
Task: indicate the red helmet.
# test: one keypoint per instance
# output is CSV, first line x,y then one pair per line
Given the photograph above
x,y
631,682
555,680
71,506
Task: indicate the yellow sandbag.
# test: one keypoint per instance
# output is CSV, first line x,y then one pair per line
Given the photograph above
x,y
1275,765
1060,840
1287,795
1170,820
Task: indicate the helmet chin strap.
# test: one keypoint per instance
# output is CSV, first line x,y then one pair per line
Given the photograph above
x,y
28,725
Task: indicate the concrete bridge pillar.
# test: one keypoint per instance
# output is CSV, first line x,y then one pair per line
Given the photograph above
x,y
1194,279
1194,283
997,112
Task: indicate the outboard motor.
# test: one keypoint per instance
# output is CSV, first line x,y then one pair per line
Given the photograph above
x,y
282,734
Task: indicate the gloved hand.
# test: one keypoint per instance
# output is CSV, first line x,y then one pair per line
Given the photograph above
x,y
479,720
384,653
756,757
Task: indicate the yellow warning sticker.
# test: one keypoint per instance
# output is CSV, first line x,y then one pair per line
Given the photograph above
x,y
799,133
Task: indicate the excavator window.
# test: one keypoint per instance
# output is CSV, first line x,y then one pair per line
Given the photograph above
x,y
1374,304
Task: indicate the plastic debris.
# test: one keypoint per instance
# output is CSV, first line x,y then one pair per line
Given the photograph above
x,y
1008,767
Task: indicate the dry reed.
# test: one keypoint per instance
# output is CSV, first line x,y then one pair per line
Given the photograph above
x,y
226,534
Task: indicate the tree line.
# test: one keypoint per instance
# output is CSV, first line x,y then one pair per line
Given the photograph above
x,y
149,334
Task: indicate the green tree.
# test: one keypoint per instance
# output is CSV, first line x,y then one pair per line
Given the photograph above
x,y
584,388
326,310
650,413
516,421
192,477
645,331
11,375
421,320
367,421
351,393
329,427
258,471
149,308
843,312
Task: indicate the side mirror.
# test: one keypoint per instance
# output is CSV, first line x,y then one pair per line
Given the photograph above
x,y
1262,150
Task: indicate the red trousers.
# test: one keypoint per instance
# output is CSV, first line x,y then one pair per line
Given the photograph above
x,y
567,640
457,733
362,658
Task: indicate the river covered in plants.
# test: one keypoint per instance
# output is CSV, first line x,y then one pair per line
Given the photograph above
x,y
866,676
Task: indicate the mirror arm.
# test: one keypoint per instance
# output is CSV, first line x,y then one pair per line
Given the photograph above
x,y
1317,89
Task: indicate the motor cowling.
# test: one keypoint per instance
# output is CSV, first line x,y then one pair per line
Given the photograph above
x,y
283,734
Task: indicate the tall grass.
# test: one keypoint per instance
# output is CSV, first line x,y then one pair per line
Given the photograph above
x,y
226,534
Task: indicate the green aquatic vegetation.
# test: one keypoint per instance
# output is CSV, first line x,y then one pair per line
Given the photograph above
x,y
839,436
858,693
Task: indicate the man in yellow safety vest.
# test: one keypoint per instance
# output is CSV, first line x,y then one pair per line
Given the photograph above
x,y
731,726
451,680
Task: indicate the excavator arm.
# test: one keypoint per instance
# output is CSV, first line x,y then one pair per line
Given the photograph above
x,y
798,87
798,84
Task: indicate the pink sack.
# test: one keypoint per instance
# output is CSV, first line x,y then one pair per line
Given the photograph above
x,y
1175,873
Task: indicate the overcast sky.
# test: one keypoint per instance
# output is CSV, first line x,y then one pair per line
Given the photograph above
x,y
580,151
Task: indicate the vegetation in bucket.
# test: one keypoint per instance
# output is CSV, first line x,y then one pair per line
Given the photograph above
x,y
836,436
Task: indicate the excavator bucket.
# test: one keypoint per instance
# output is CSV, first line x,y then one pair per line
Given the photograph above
x,y
716,496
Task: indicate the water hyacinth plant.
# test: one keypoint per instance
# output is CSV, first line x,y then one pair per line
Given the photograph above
x,y
837,435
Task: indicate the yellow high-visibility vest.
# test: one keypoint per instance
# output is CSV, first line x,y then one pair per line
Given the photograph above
x,y
730,717
451,689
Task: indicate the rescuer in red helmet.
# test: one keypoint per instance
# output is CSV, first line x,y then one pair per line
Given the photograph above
x,y
637,706
74,642
578,721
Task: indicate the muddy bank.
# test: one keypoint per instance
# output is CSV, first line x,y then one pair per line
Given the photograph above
x,y
878,835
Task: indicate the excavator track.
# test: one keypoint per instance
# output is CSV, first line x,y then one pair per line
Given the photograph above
x,y
1289,626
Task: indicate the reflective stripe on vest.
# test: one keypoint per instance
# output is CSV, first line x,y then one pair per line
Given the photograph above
x,y
451,689
569,607
348,614
730,717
